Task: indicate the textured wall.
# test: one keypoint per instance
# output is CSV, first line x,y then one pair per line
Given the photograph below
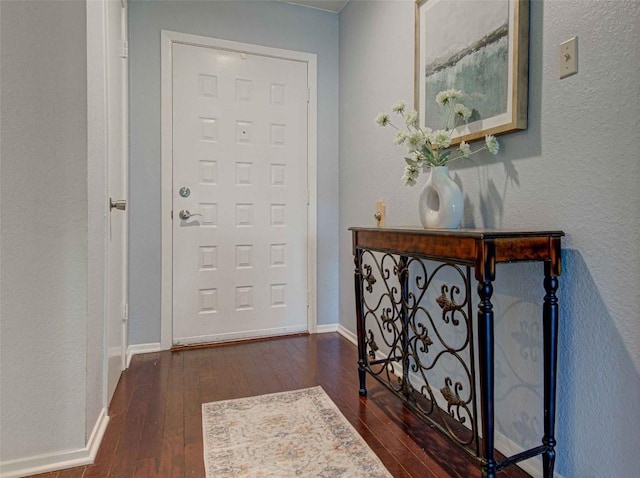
x,y
44,228
576,168
265,23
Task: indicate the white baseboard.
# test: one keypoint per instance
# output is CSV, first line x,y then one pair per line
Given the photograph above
x,y
57,461
508,447
347,334
142,349
325,329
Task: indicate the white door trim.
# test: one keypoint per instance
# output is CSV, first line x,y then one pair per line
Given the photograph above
x,y
167,40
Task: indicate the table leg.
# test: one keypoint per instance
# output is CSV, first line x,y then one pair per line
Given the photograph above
x,y
550,331
359,323
485,355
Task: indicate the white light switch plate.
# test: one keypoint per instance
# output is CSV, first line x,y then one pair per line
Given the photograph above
x,y
569,57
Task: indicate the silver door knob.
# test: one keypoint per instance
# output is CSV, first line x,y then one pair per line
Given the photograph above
x,y
120,205
185,214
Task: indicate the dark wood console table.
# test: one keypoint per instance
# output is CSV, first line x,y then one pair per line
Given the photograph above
x,y
427,358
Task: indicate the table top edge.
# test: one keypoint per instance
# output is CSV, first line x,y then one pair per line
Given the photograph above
x,y
470,233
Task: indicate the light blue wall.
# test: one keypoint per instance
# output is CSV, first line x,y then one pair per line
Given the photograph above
x,y
268,23
576,168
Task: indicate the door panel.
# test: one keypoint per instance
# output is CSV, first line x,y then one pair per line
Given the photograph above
x,y
240,148
117,187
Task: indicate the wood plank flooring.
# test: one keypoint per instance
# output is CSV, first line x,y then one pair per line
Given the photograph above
x,y
155,428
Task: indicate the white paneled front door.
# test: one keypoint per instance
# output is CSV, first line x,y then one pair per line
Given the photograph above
x,y
239,195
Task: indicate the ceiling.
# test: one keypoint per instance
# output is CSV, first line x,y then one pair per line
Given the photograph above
x,y
329,5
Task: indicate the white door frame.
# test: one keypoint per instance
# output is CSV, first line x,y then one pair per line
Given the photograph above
x,y
167,40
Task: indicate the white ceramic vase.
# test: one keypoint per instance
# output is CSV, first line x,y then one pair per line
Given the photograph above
x,y
440,202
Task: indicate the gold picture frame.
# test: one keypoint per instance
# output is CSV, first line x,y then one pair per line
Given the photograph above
x,y
481,48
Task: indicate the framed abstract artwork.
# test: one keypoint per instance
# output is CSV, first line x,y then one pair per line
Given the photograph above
x,y
480,47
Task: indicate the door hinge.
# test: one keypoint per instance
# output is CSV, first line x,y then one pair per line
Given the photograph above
x,y
308,95
308,196
125,315
125,49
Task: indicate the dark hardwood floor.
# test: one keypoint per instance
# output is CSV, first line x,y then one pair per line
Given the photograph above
x,y
156,430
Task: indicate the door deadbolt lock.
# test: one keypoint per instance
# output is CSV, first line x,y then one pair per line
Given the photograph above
x,y
120,205
185,192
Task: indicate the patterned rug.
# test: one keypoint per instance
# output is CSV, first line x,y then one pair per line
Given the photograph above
x,y
300,433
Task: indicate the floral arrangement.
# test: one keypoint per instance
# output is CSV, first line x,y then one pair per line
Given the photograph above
x,y
429,147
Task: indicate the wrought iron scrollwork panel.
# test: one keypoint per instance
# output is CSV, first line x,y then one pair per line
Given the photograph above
x,y
419,338
382,317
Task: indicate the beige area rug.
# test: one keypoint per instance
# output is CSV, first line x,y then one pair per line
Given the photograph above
x,y
298,433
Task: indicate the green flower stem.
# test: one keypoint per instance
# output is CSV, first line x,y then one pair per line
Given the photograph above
x,y
451,114
461,156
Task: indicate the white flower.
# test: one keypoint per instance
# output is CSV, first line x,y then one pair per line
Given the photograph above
x,y
465,149
400,138
399,107
417,158
412,119
427,147
383,119
441,139
462,111
410,175
492,144
416,140
408,180
447,96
